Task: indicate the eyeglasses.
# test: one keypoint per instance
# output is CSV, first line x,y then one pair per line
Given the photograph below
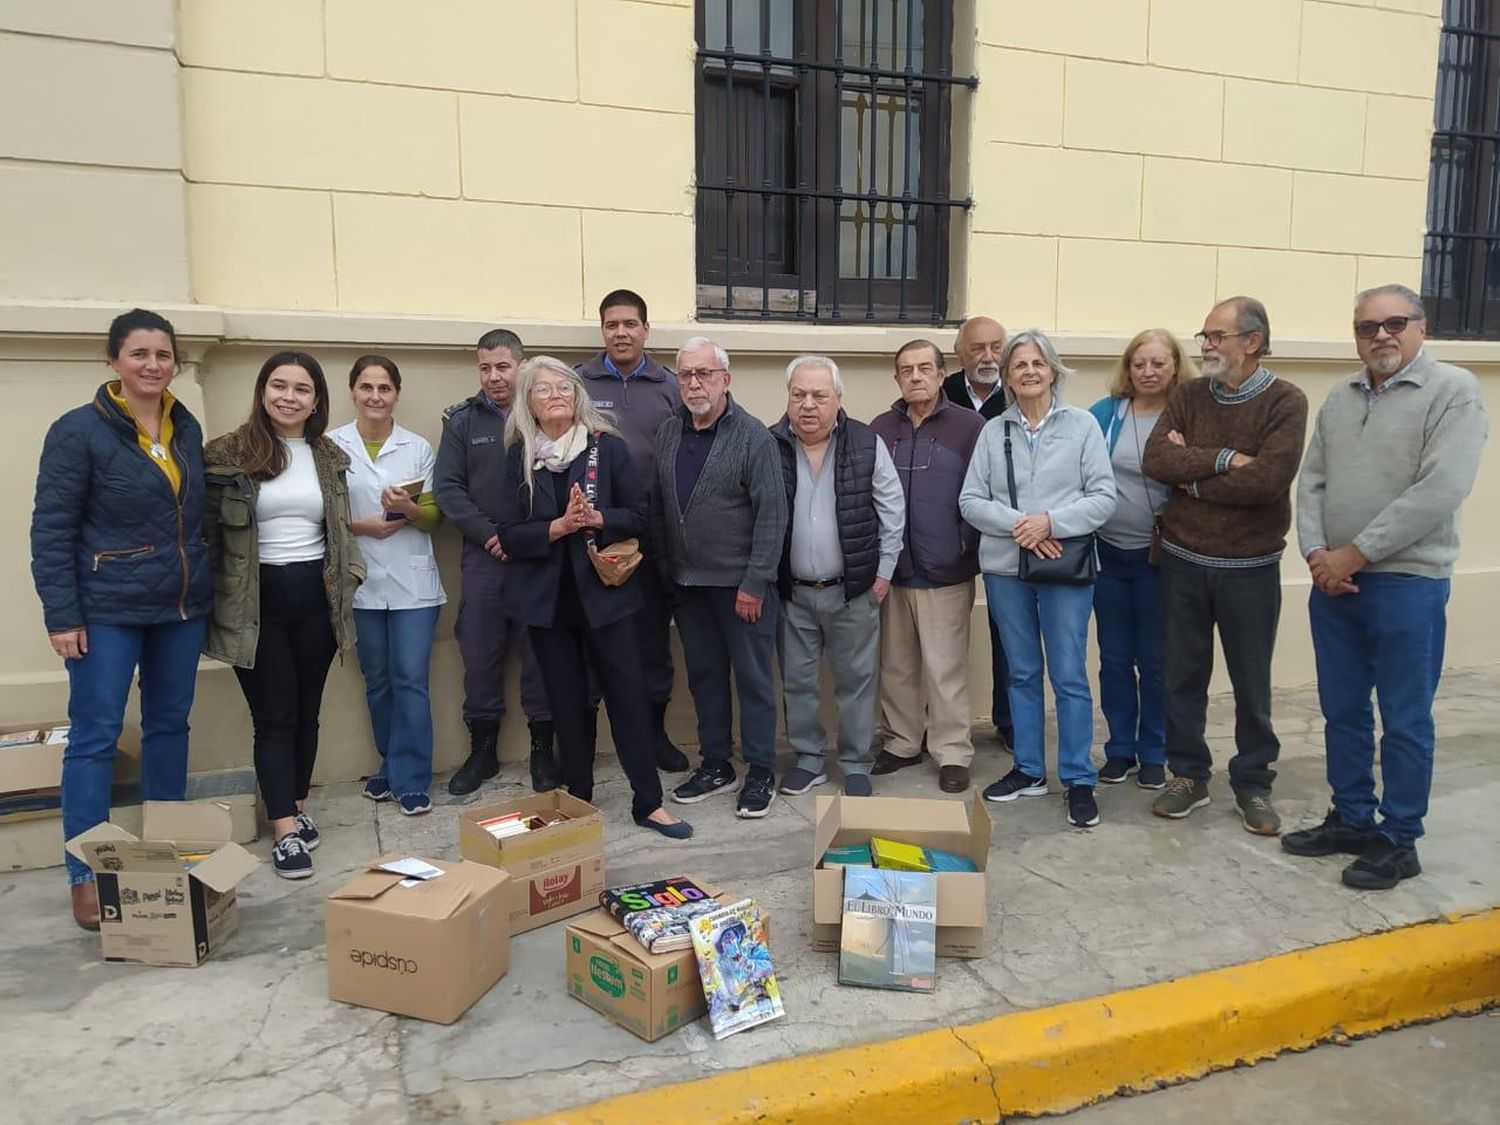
x,y
1393,325
1214,339
700,375
547,390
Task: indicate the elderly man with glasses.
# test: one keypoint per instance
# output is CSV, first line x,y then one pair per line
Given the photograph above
x,y
1229,444
1394,452
718,520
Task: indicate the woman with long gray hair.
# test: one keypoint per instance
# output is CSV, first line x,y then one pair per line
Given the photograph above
x,y
569,492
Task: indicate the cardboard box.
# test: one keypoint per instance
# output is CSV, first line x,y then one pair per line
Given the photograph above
x,y
39,765
159,903
962,827
556,871
429,949
649,994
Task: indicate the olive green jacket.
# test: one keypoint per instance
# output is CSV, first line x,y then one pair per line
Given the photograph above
x,y
234,546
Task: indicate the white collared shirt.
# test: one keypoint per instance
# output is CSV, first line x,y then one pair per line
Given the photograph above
x,y
401,571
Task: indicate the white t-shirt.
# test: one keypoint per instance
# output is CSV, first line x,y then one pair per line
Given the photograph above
x,y
289,510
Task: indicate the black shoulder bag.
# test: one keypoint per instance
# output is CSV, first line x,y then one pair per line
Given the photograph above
x,y
1076,566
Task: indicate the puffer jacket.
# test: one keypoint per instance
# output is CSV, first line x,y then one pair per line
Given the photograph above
x,y
111,543
234,545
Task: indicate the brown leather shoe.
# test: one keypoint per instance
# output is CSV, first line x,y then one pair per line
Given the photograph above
x,y
86,905
953,779
886,762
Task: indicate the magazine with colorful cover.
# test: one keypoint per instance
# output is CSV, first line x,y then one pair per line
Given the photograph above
x,y
889,933
734,960
657,913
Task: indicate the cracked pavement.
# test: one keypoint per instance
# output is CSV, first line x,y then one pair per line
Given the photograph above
x,y
1074,913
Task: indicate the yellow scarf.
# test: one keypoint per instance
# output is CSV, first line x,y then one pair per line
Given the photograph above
x,y
159,449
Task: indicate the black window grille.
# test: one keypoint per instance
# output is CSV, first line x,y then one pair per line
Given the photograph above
x,y
823,159
1461,259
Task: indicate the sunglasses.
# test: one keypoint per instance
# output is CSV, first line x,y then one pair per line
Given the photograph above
x,y
1393,325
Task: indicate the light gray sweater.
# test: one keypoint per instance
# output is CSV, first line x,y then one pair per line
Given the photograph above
x,y
1067,476
1388,474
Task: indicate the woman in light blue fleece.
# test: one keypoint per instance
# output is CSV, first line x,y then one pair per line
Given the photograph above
x,y
1064,488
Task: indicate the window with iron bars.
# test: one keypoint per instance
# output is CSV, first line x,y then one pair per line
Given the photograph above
x,y
823,159
1461,258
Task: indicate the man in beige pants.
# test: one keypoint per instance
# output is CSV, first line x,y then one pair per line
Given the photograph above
x,y
924,623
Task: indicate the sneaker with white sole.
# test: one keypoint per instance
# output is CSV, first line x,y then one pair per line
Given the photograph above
x,y
1016,784
307,831
756,794
1083,810
1116,770
708,779
1182,796
798,781
291,858
377,789
415,804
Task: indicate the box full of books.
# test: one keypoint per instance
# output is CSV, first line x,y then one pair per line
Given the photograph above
x,y
167,897
948,839
31,754
611,966
551,845
419,937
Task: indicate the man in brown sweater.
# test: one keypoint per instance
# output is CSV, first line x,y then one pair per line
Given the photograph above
x,y
1230,444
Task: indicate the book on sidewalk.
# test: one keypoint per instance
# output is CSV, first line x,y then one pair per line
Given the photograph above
x,y
734,962
889,933
658,913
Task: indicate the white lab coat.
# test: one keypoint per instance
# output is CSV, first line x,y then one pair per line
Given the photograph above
x,y
401,571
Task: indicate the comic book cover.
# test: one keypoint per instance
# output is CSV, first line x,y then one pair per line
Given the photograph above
x,y
657,913
734,960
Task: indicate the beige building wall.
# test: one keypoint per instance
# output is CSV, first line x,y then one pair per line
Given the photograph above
x,y
378,174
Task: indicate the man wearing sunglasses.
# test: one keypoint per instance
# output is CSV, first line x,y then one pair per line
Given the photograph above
x,y
1394,452
1229,444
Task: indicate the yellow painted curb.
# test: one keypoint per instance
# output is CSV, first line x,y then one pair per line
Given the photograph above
x,y
1059,1058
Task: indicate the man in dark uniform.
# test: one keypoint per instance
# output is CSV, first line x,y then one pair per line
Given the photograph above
x,y
977,385
639,394
466,481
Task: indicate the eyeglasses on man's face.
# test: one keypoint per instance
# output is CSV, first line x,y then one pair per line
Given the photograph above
x,y
1393,325
700,375
1215,338
548,390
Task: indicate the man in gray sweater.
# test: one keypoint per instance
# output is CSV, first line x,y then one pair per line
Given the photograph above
x,y
1394,451
718,521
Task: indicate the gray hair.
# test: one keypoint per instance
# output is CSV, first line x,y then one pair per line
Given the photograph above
x,y
692,344
816,361
1040,341
522,425
1413,300
1251,316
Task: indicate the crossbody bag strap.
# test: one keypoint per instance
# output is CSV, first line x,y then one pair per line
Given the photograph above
x,y
591,479
1010,470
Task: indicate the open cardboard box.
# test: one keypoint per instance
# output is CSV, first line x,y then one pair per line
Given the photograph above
x,y
961,827
556,871
167,897
428,949
649,994
38,765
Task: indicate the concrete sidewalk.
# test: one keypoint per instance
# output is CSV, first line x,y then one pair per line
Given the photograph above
x,y
1076,913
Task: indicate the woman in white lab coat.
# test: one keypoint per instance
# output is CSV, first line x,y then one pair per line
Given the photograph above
x,y
396,609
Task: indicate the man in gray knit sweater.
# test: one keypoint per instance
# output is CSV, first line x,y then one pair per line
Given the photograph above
x,y
718,522
1394,451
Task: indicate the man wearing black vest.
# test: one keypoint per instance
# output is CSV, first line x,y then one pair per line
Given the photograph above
x,y
976,386
847,517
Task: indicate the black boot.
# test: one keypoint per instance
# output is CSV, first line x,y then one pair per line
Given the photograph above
x,y
543,757
483,762
669,759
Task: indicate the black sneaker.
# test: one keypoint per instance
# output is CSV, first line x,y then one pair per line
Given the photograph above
x,y
1016,784
798,781
1383,865
377,789
291,858
307,831
1083,810
756,794
707,779
1329,838
1117,770
1152,776
415,804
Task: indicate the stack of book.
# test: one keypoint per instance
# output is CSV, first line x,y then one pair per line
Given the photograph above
x,y
506,825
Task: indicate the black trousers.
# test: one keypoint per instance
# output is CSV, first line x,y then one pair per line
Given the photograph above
x,y
613,654
1245,604
999,696
653,626
285,688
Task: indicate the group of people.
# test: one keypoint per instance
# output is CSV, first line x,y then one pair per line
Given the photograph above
x,y
597,504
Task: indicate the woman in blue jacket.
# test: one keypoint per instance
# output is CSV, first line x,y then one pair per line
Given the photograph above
x,y
569,483
1127,592
118,559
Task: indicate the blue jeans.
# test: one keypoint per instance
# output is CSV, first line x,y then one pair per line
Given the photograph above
x,y
98,683
1127,614
1387,639
1055,619
395,647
